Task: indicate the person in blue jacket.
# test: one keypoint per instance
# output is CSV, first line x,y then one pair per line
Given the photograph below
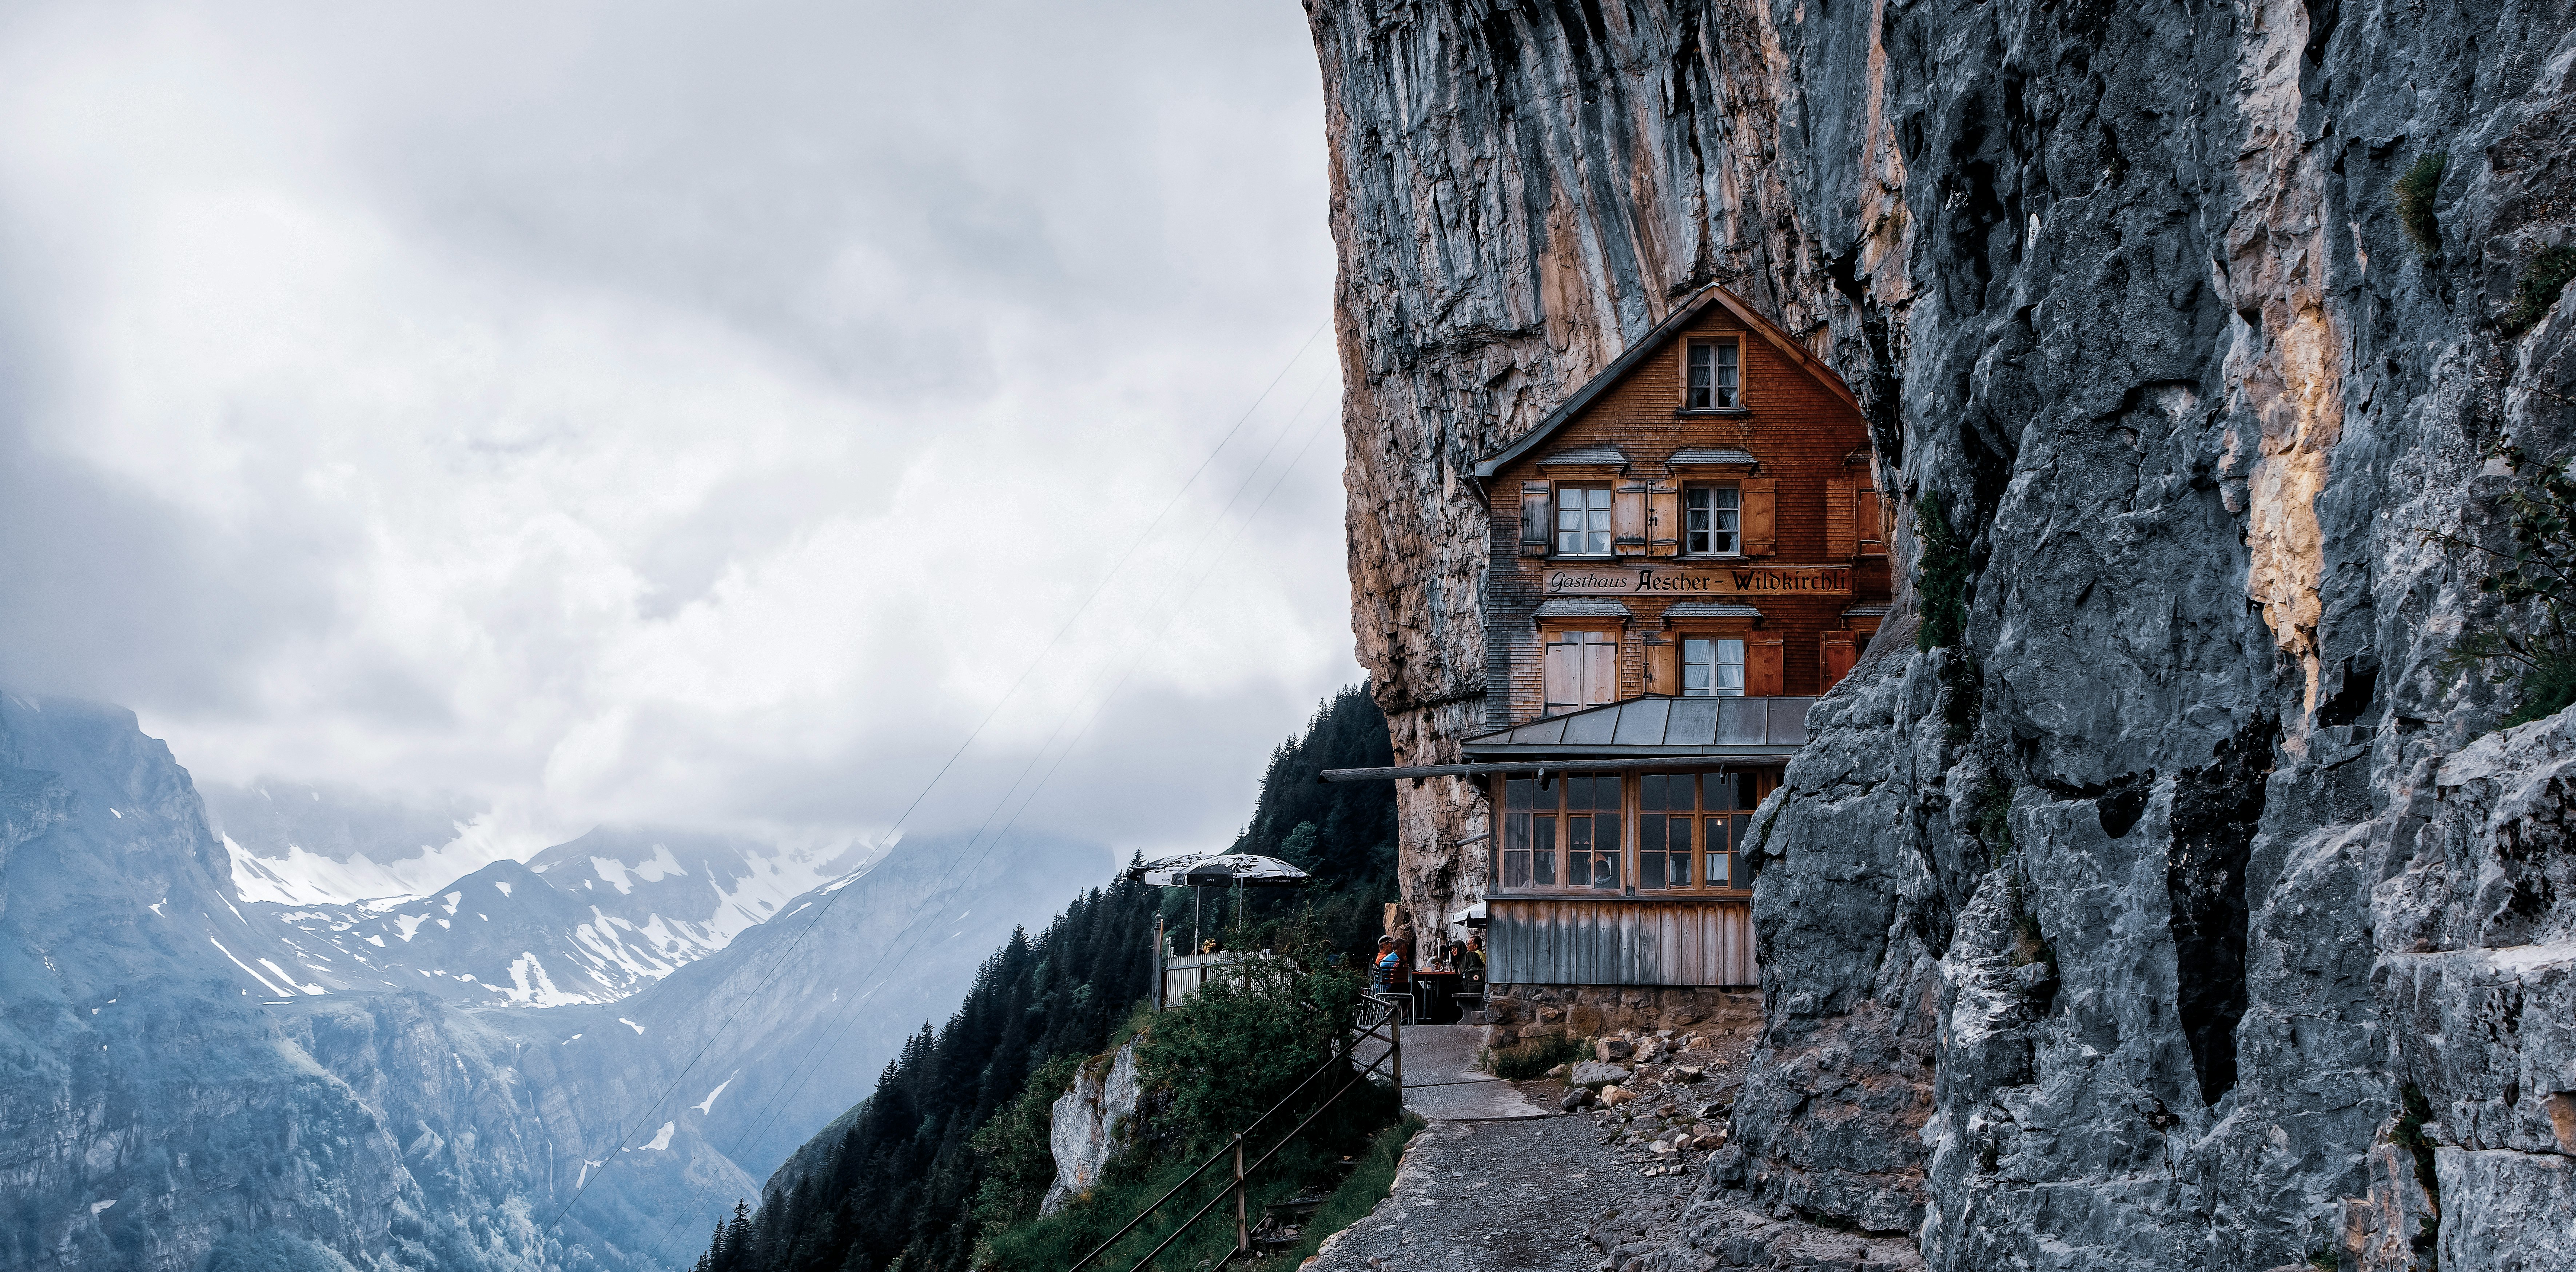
x,y
1390,959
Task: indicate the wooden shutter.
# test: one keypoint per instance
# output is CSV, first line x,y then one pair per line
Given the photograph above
x,y
1872,526
1757,519
1840,543
1600,668
1562,674
1535,520
1837,655
1762,668
1663,520
1628,521
1663,673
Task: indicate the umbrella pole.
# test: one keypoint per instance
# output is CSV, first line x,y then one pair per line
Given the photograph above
x,y
1196,940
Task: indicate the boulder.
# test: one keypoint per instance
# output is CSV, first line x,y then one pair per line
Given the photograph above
x,y
1595,1074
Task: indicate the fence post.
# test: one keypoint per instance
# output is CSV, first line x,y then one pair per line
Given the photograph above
x,y
1161,974
1242,1233
1395,1054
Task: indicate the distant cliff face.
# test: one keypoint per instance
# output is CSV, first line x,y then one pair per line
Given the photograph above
x,y
2114,934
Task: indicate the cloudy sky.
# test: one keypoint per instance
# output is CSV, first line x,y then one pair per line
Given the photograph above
x,y
704,414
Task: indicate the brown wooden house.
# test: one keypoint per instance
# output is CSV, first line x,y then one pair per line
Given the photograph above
x,y
1684,554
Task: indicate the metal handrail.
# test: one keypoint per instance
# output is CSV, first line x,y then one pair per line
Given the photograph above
x,y
1390,1015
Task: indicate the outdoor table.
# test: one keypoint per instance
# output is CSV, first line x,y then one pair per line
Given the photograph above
x,y
1436,991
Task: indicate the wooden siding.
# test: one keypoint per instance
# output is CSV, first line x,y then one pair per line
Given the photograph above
x,y
1550,942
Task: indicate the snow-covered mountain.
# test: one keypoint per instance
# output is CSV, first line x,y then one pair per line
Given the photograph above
x,y
589,921
306,844
194,1078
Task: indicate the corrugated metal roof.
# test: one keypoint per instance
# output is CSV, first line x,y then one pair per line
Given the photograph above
x,y
1651,726
1582,607
1711,609
1600,453
1728,455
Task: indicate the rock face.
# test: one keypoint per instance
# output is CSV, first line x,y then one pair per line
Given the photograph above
x,y
2112,927
1090,1124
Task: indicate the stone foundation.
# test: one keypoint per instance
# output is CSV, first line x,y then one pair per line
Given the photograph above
x,y
1518,1012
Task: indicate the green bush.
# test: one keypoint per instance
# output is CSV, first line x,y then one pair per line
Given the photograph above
x,y
1019,1165
2539,570
2537,289
1532,1059
2415,191
1238,1046
1940,578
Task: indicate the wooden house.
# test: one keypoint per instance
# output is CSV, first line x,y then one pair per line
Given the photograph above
x,y
1685,553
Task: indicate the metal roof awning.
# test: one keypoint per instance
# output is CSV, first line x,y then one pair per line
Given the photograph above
x,y
1641,733
1658,726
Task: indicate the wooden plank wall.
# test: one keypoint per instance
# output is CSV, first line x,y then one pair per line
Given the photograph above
x,y
1549,942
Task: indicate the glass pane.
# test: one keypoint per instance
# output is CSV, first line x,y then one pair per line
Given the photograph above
x,y
1721,870
1605,850
1650,792
1650,870
1726,498
1516,792
1578,794
1578,835
1516,850
1681,851
1542,852
1650,834
1550,791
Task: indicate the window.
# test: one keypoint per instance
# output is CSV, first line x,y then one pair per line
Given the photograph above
x,y
1581,670
1585,808
1566,834
1583,521
1728,800
1712,667
1711,385
1711,516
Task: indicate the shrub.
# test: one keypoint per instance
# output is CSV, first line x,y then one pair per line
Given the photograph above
x,y
1533,1058
2542,279
1238,1046
2539,570
1940,578
2415,191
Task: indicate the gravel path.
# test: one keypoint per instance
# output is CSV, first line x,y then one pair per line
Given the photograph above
x,y
1507,1195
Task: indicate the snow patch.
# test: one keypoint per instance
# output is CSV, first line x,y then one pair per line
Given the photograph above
x,y
630,1024
452,899
100,1207
659,1142
290,981
407,924
263,981
708,1104
530,986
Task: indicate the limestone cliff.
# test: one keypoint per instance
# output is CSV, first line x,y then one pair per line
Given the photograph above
x,y
2115,931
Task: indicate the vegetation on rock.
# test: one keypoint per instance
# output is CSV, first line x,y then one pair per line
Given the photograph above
x,y
2415,190
2537,288
2538,571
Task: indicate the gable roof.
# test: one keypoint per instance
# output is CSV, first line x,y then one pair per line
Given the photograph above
x,y
1652,343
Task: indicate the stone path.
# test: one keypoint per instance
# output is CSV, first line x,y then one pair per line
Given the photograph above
x,y
1499,1182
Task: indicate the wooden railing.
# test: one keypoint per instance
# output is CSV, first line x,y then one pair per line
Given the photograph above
x,y
1381,1012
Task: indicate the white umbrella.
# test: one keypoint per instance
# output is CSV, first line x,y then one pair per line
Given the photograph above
x,y
1217,870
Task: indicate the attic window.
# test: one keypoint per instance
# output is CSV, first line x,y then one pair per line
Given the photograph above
x,y
1712,382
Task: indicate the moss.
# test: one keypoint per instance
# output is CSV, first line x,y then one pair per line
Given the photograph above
x,y
1532,1059
1940,578
1993,825
2543,277
2415,191
2414,1112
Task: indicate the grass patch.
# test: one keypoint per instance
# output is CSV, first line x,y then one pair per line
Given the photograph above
x,y
1533,1058
2415,190
2543,277
1359,1194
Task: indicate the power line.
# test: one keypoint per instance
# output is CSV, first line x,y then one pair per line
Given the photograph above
x,y
802,1071
628,1132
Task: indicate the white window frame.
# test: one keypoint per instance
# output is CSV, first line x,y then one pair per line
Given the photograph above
x,y
1733,516
1722,387
1713,665
1592,522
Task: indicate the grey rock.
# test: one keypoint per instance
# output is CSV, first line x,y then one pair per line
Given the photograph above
x,y
1595,1074
1090,1125
2127,296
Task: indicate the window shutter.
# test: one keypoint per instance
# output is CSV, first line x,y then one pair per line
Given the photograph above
x,y
1758,536
1762,668
1562,676
1873,527
1663,674
1663,521
1837,650
1628,521
1535,519
1600,669
1840,545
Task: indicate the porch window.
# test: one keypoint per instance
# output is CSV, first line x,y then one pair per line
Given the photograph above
x,y
1712,667
1666,805
1592,817
1711,385
1711,517
1583,521
1728,800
